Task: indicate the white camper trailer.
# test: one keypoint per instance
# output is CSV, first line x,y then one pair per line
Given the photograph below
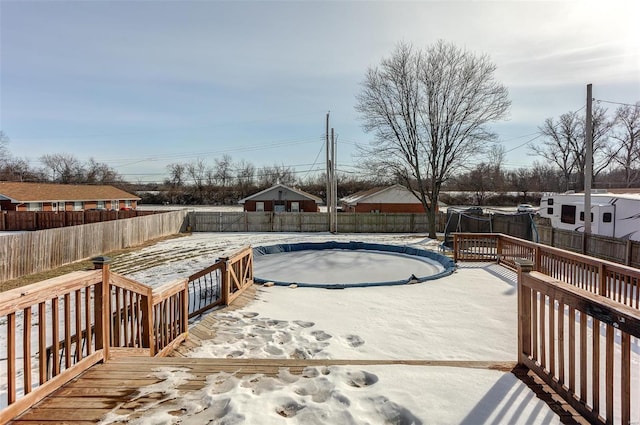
x,y
613,215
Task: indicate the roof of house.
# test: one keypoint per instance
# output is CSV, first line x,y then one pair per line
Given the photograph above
x,y
19,192
394,194
288,193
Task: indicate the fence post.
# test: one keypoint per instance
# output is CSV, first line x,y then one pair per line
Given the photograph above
x,y
498,248
148,334
185,308
102,308
524,266
455,248
538,256
225,280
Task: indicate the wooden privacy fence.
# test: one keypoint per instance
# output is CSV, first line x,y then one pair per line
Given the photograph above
x,y
612,249
210,221
584,346
54,330
26,253
40,220
611,280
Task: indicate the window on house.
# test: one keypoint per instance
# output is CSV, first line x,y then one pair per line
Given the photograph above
x,y
100,205
62,206
607,217
550,211
259,206
550,201
34,206
295,206
127,204
78,206
115,204
568,214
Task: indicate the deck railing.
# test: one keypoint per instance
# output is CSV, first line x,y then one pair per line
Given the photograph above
x,y
578,323
584,346
614,281
55,329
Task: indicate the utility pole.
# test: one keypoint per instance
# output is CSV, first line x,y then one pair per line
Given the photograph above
x,y
588,169
328,173
334,186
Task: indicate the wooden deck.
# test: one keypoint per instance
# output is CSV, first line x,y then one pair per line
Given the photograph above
x,y
113,387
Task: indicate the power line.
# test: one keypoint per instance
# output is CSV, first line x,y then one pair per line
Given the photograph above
x,y
615,103
524,144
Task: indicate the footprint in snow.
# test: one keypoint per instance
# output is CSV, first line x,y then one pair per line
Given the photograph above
x,y
321,335
354,341
303,324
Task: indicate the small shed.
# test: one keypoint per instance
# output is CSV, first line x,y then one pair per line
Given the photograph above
x,y
389,199
21,196
281,198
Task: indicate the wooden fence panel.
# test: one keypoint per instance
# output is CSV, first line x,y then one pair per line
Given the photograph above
x,y
211,221
617,250
32,252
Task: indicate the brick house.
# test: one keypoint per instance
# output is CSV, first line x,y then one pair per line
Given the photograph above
x,y
281,198
18,196
390,199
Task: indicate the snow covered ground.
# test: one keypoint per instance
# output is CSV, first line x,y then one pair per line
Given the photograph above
x,y
470,315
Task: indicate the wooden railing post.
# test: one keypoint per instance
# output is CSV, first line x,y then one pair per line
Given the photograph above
x,y
498,248
524,310
602,280
455,248
148,334
102,306
226,280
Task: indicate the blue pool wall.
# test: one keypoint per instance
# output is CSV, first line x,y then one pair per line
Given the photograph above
x,y
448,264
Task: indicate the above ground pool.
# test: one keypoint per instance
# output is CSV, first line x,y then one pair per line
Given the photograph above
x,y
347,264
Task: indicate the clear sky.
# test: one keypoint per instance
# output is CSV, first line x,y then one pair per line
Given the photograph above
x,y
141,84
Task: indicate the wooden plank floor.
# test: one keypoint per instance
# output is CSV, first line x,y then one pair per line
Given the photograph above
x,y
114,386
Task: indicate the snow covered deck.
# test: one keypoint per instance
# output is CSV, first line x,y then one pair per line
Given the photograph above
x,y
437,352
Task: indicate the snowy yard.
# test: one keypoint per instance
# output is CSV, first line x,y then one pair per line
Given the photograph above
x,y
470,315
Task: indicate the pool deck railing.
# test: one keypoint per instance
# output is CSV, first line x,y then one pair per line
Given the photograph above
x,y
578,322
58,328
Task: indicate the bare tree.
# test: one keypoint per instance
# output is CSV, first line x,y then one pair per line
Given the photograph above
x,y
63,168
276,174
558,140
223,170
428,110
625,151
245,176
564,144
100,172
176,175
197,172
4,150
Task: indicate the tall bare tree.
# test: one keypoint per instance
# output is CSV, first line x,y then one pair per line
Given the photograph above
x,y
223,170
428,110
625,150
245,176
564,145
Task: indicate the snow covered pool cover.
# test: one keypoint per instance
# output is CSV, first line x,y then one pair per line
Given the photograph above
x,y
347,264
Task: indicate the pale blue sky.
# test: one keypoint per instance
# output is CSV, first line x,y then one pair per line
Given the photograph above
x,y
140,84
